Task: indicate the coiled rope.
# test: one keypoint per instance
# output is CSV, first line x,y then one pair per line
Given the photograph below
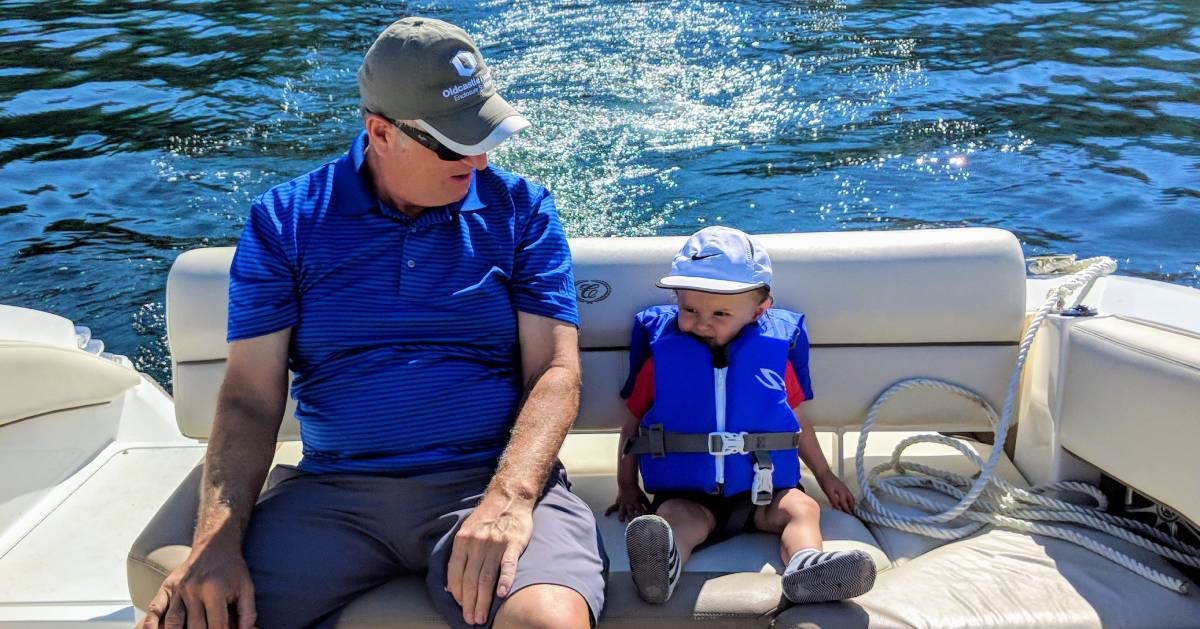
x,y
989,500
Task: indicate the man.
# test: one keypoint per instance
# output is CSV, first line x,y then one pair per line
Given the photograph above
x,y
422,300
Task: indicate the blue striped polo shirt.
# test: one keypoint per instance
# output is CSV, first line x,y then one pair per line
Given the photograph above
x,y
404,344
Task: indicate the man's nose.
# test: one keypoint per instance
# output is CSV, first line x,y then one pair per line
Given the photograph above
x,y
478,162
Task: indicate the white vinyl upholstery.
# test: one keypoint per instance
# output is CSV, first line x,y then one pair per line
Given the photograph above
x,y
36,378
870,287
902,546
1141,382
35,326
881,306
196,384
1006,580
197,304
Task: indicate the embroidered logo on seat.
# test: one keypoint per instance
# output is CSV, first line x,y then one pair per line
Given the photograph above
x,y
592,291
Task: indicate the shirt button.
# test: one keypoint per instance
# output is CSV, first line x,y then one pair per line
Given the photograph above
x,y
412,263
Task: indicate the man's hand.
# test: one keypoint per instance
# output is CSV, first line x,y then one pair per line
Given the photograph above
x,y
631,502
484,557
836,491
199,591
249,409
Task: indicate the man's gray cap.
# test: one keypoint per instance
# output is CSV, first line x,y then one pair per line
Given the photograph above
x,y
429,71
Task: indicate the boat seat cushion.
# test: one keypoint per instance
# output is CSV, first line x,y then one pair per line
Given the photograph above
x,y
950,301
947,303
1009,580
750,596
997,578
38,378
1120,368
901,546
994,579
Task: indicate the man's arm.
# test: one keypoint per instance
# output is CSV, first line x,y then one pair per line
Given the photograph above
x,y
486,548
550,364
249,410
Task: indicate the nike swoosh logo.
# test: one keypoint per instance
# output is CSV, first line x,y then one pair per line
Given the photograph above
x,y
700,257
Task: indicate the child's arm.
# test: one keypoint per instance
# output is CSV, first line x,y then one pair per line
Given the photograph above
x,y
810,452
630,502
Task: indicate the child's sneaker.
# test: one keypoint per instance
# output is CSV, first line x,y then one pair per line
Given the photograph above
x,y
813,576
653,559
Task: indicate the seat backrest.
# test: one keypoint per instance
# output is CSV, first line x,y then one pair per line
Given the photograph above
x,y
197,312
880,306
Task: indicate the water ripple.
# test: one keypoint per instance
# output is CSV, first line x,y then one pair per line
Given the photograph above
x,y
135,130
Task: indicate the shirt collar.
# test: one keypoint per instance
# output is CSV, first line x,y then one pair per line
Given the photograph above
x,y
353,192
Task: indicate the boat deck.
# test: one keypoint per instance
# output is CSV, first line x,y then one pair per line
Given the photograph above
x,y
65,560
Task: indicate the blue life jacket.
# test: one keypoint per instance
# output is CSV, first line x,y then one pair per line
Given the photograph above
x,y
691,395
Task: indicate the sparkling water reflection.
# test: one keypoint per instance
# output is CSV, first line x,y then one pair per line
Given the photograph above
x,y
133,131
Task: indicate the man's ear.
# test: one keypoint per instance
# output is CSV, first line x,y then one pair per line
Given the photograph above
x,y
379,133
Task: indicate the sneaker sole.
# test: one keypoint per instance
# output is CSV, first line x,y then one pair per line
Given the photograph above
x,y
648,542
838,579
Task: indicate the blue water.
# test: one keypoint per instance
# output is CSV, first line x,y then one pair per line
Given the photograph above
x,y
133,131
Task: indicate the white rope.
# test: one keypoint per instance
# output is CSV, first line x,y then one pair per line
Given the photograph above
x,y
987,499
1059,264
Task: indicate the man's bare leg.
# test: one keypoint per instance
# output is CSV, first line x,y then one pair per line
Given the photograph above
x,y
544,606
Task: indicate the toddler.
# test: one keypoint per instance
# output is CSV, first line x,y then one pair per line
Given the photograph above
x,y
714,393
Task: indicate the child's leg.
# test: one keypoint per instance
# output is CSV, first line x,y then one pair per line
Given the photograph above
x,y
691,523
812,576
797,519
658,545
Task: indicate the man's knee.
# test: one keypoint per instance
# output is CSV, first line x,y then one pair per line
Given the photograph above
x,y
544,605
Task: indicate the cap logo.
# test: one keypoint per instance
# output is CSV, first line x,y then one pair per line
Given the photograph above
x,y
696,256
464,63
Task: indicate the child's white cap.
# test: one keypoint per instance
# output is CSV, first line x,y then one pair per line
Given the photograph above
x,y
720,260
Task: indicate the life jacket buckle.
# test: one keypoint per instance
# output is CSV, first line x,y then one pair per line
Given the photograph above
x,y
762,491
723,443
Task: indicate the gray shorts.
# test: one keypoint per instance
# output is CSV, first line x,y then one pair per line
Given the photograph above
x,y
318,541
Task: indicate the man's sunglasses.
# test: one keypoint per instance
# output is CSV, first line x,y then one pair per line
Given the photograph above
x,y
429,142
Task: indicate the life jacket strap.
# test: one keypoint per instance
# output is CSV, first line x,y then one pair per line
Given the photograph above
x,y
653,440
